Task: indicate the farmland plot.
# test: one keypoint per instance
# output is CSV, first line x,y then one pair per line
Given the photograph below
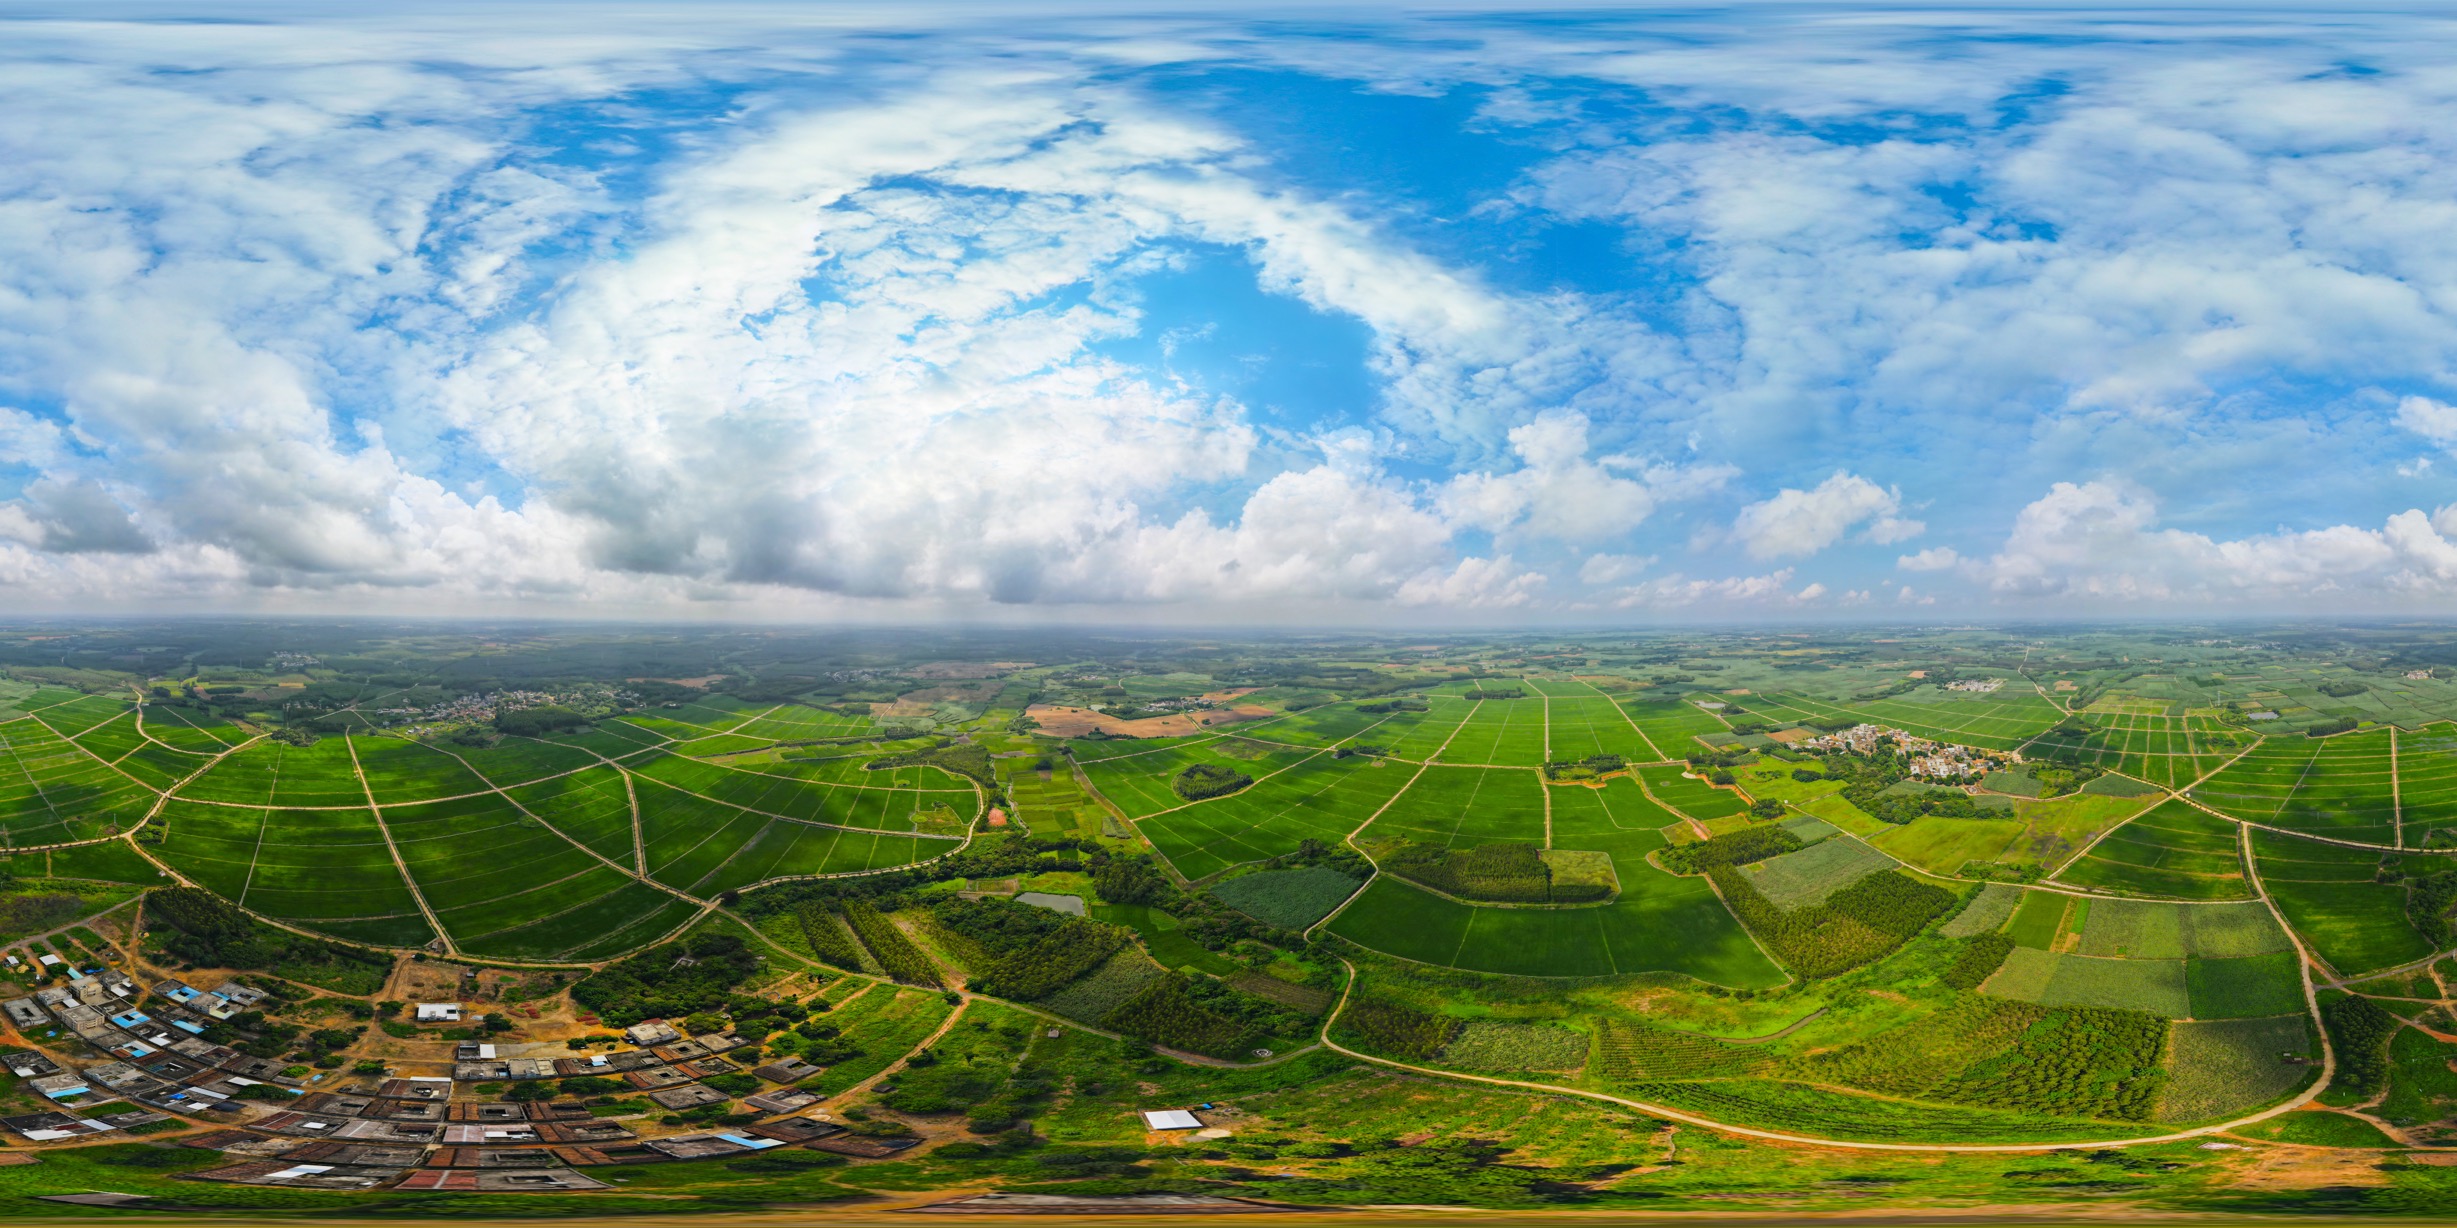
x,y
1322,799
2339,787
2329,894
2174,850
1508,732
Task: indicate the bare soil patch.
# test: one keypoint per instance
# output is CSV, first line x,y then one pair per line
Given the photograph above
x,y
1059,721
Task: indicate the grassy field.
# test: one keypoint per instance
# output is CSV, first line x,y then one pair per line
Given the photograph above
x,y
1659,922
1671,728
1322,799
1140,783
2174,850
52,791
2338,787
1691,796
2226,1068
2328,894
1943,845
1508,732
2427,781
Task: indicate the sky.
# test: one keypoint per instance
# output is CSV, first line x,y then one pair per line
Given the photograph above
x,y
1443,314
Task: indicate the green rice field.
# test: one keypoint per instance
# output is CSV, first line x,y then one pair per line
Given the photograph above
x,y
2175,850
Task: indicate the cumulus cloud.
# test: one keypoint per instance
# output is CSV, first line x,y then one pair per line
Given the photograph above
x,y
1797,523
421,311
2433,420
2101,541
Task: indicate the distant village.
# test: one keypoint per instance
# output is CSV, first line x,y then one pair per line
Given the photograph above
x,y
417,1132
1921,756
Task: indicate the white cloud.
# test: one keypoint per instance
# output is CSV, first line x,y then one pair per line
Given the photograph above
x,y
1612,568
1796,523
2433,420
2100,541
1811,593
1678,591
1934,558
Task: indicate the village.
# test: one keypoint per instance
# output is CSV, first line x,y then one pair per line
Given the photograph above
x,y
493,1117
1922,757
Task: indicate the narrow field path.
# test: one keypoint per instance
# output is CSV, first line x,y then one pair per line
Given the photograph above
x,y
442,935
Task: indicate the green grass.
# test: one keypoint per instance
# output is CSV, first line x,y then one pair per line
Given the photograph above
x,y
1807,876
2246,987
1942,845
2174,850
1289,899
2319,1128
2227,1068
2327,894
2037,920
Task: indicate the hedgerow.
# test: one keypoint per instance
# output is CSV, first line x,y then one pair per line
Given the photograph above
x,y
1854,926
1735,848
828,939
2359,1031
896,954
1400,1031
1031,951
1980,958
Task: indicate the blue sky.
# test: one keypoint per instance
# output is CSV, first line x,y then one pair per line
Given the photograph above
x,y
1608,315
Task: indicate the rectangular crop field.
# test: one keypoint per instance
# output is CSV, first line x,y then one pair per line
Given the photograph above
x,y
2175,850
2226,1068
1689,795
1465,807
2328,894
592,807
1508,732
2158,986
2245,988
1672,728
1583,721
1142,784
51,791
1417,736
1804,877
2339,787
400,771
2427,780
1322,798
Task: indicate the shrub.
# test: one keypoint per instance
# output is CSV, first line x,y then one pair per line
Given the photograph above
x,y
2359,1030
1400,1031
1854,926
659,983
1979,959
2342,724
1200,1017
896,953
1737,848
1032,952
1207,780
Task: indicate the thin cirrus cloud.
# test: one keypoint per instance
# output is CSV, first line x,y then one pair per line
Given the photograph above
x,y
461,311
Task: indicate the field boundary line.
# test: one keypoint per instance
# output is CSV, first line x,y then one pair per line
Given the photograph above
x,y
406,880
2112,828
1387,803
2303,966
2397,805
2328,1067
1626,718
770,814
639,838
2320,839
567,837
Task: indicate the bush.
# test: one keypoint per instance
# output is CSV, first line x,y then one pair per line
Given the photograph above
x,y
2342,724
1855,925
1979,959
1032,952
2359,1031
1208,780
1737,848
896,953
1512,873
1399,1031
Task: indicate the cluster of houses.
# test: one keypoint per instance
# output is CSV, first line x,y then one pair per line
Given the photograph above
x,y
160,1064
410,1133
1977,686
1922,756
